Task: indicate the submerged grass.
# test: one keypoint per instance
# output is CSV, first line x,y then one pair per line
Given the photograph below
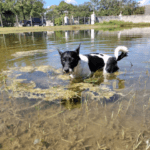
x,y
38,124
106,26
94,125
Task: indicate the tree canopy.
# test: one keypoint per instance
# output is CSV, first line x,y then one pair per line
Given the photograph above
x,y
22,8
101,8
114,7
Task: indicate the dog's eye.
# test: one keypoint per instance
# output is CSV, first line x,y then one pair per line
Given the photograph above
x,y
71,59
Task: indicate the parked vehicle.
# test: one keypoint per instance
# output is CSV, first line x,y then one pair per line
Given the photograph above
x,y
35,21
38,21
25,23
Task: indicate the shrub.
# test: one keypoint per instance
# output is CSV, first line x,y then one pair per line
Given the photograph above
x,y
58,21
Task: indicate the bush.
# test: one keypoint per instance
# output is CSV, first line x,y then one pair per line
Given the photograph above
x,y
58,21
139,10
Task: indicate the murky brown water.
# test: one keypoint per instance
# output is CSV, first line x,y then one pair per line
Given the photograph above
x,y
40,108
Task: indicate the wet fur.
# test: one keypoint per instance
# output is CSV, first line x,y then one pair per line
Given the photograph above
x,y
79,65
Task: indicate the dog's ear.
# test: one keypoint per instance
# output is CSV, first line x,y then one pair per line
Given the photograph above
x,y
78,49
60,53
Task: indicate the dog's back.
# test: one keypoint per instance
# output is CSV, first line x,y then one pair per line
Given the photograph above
x,y
95,62
88,64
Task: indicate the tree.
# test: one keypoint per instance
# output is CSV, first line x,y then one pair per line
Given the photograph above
x,y
10,9
139,10
21,7
64,7
95,4
1,11
52,11
8,14
114,7
82,11
109,7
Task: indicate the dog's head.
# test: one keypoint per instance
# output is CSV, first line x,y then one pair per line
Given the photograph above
x,y
69,59
111,65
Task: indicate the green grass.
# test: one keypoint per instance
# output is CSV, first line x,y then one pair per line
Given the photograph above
x,y
7,30
121,24
113,25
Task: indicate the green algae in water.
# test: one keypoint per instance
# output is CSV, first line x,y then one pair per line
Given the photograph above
x,y
64,88
29,90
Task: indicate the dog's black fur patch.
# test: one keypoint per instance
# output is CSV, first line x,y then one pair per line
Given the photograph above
x,y
121,56
95,62
111,65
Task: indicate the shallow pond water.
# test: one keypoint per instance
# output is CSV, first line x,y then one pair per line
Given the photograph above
x,y
40,108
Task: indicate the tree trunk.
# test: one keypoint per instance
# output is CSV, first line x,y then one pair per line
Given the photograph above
x,y
17,25
23,14
42,21
1,20
31,20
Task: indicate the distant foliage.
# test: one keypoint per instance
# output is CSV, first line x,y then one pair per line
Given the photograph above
x,y
71,10
58,21
100,7
114,7
24,9
139,10
9,19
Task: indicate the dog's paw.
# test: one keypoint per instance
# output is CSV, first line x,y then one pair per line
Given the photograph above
x,y
72,76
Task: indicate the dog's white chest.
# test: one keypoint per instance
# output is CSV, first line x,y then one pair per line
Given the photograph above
x,y
82,69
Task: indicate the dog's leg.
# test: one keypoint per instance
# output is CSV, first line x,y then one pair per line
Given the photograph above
x,y
72,76
105,77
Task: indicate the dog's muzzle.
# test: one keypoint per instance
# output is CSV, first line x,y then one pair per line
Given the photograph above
x,y
66,70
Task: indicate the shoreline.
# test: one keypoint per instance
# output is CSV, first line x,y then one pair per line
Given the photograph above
x,y
106,26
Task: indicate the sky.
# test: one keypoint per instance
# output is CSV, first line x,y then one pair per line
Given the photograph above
x,y
48,3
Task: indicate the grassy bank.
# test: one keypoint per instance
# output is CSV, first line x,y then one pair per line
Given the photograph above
x,y
111,25
6,30
121,24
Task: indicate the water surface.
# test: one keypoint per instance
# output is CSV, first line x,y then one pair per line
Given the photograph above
x,y
42,108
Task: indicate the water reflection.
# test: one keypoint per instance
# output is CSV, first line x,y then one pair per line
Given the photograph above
x,y
119,34
92,34
66,36
13,43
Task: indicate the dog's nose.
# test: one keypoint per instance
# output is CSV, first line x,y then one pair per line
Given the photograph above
x,y
66,70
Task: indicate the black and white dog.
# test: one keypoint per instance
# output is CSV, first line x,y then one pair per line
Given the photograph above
x,y
82,66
